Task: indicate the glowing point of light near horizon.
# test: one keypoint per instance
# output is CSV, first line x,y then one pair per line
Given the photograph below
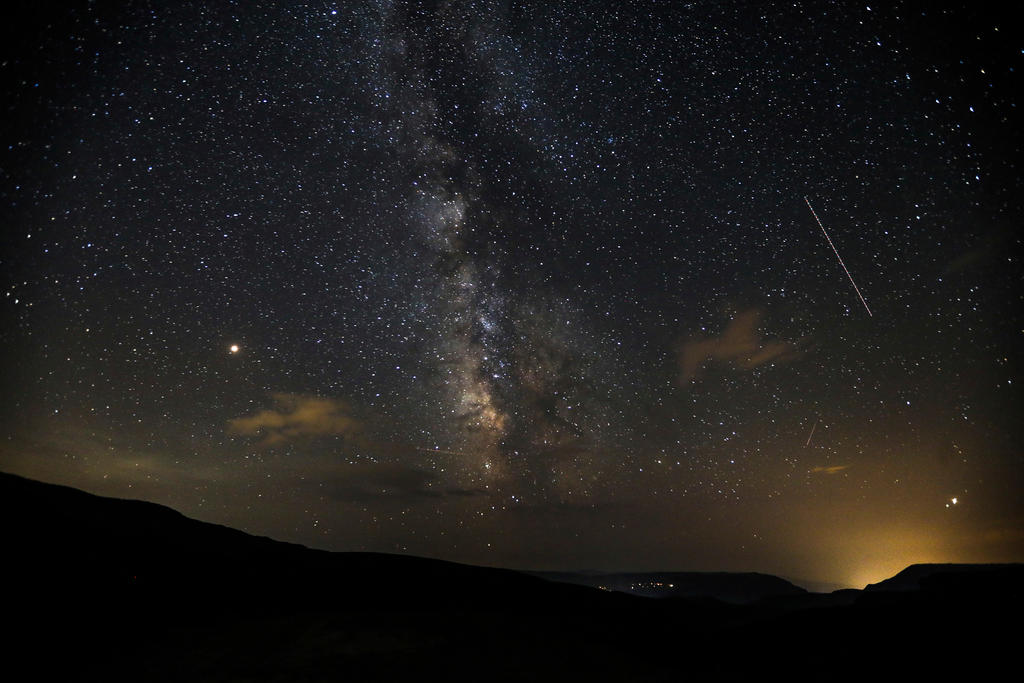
x,y
233,348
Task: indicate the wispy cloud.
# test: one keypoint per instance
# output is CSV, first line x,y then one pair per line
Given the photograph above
x,y
829,469
296,416
741,343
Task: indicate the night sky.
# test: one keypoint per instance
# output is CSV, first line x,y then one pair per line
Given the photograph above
x,y
534,285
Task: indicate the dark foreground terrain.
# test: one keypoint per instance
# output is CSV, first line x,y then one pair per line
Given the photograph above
x,y
104,589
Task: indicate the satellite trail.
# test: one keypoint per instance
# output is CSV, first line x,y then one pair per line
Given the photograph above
x,y
856,289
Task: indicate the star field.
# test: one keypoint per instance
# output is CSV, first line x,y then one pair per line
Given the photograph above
x,y
525,284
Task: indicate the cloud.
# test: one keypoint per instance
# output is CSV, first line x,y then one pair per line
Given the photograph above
x,y
295,416
828,469
740,343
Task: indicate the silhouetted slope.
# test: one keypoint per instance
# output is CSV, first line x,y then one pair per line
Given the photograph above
x,y
951,577
66,538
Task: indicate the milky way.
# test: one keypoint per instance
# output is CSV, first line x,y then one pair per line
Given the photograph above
x,y
525,284
494,337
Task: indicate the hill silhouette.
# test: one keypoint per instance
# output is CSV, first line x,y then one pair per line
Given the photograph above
x,y
106,589
952,578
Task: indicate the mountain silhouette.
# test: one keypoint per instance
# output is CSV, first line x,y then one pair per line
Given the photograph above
x,y
65,538
105,589
951,578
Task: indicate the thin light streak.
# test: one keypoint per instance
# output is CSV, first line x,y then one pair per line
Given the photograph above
x,y
812,434
855,287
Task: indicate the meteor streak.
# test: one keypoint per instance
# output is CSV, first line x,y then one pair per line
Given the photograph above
x,y
812,434
856,289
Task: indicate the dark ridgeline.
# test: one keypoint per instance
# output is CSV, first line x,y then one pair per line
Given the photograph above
x,y
105,589
951,579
